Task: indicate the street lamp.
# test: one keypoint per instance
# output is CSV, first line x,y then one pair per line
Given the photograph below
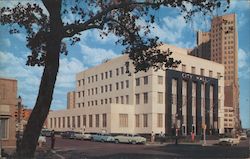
x,y
18,138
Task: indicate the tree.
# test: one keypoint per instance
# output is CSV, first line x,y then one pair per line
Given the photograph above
x,y
45,33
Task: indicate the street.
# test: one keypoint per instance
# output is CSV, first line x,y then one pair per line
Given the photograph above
x,y
71,149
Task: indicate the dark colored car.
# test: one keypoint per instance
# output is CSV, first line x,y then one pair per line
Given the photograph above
x,y
68,135
46,133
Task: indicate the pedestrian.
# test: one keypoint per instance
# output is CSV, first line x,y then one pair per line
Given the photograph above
x,y
52,137
152,137
162,137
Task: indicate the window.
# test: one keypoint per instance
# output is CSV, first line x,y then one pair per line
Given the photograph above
x,y
101,89
110,73
160,98
88,92
110,100
106,88
122,85
88,79
137,98
96,90
96,103
210,73
68,122
122,100
145,120
79,83
102,76
106,75
159,120
117,85
84,120
92,78
97,120
92,91
92,103
137,81
137,120
122,70
63,122
202,72
78,121
123,120
54,122
83,104
183,68
127,99
83,93
104,120
117,72
116,100
193,70
127,84
110,87
4,122
145,97
101,101
88,103
96,77
145,80
83,81
160,80
79,94
73,122
106,101
90,121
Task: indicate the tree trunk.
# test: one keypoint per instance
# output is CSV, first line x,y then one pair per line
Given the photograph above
x,y
43,102
46,89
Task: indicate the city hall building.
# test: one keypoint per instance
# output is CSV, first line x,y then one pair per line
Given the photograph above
x,y
112,98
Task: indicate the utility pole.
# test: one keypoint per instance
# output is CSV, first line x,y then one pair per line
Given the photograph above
x,y
18,138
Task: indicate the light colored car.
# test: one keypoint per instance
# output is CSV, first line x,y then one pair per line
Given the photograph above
x,y
130,138
82,136
243,136
229,141
102,137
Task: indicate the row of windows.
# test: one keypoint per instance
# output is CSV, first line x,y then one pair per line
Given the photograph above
x,y
118,100
202,71
78,121
106,88
105,75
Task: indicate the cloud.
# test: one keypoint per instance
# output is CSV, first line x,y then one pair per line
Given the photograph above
x,y
29,78
5,42
20,36
94,56
244,67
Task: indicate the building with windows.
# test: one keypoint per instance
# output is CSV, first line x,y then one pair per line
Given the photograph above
x,y
8,104
112,98
221,45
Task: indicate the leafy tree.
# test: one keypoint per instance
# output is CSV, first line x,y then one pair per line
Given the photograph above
x,y
45,33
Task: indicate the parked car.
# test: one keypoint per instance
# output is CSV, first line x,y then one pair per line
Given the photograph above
x,y
130,138
243,136
82,136
46,132
68,134
229,141
102,137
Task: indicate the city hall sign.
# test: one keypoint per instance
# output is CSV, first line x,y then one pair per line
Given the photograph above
x,y
193,77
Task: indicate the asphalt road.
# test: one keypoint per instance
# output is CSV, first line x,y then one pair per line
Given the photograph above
x,y
75,149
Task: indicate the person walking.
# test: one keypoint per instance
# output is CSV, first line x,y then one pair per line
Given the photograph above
x,y
152,137
162,137
52,137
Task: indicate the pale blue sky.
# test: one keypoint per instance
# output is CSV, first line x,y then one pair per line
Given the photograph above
x,y
170,27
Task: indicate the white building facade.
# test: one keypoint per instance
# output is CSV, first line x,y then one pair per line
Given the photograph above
x,y
112,98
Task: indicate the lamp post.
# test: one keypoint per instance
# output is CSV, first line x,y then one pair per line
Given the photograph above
x,y
18,138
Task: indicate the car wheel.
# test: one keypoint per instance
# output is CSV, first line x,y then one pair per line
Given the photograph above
x,y
116,141
102,140
133,142
92,139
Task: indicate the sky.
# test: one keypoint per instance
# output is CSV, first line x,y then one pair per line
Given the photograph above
x,y
92,50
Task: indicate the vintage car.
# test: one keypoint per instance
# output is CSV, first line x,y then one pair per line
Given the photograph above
x,y
82,136
69,134
130,138
229,141
243,136
102,137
